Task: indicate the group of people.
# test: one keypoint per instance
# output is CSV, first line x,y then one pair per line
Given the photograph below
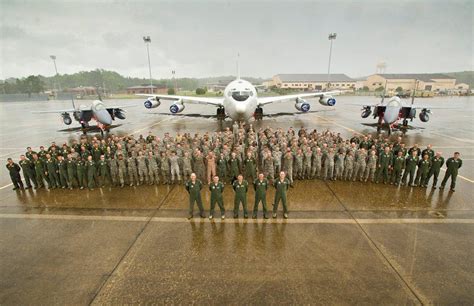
x,y
300,154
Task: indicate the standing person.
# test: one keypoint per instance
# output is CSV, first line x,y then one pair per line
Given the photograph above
x,y
216,188
398,166
153,172
142,168
423,170
28,172
436,163
328,165
339,165
250,168
122,169
452,164
360,164
81,173
104,171
71,170
112,162
410,168
222,167
132,170
234,167
288,166
281,185
15,175
277,155
348,165
174,167
91,169
194,186
211,166
308,154
62,169
240,187
260,185
371,166
40,171
165,168
52,171
298,164
384,164
268,167
317,163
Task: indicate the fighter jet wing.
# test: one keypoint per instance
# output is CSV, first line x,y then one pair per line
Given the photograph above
x,y
185,115
420,106
267,100
71,110
188,99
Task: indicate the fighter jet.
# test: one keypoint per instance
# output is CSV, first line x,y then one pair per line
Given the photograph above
x,y
97,111
240,101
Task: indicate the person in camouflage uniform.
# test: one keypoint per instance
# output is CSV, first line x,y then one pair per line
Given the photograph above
x,y
339,165
153,169
142,168
132,170
187,166
317,163
113,166
199,167
308,155
348,165
288,166
122,169
328,172
360,164
371,166
298,164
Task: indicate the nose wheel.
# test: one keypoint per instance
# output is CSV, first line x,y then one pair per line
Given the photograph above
x,y
220,114
258,114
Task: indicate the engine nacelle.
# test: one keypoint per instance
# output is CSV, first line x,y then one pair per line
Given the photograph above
x,y
152,102
366,112
302,105
424,115
66,118
177,107
118,113
327,101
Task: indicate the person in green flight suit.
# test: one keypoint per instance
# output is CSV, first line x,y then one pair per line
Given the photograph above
x,y
398,166
234,167
194,186
15,176
104,171
62,171
436,163
216,188
240,187
423,171
28,172
81,173
452,164
281,185
410,168
385,162
250,168
260,186
52,171
71,170
40,171
91,169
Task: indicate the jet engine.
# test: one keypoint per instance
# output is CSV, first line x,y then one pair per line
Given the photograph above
x,y
119,113
302,105
366,111
177,107
327,101
424,115
152,102
66,118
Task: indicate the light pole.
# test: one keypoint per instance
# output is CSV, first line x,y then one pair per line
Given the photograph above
x,y
331,37
53,57
175,81
147,41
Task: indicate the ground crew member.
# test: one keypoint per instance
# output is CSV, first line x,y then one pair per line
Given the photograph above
x,y
52,172
452,164
194,187
371,166
348,165
132,170
91,169
211,166
240,187
360,164
216,188
250,168
81,173
385,163
199,167
423,171
398,166
308,154
277,154
153,172
142,168
429,152
40,171
222,167
122,170
298,164
62,169
288,166
234,167
328,171
410,167
260,185
317,163
268,167
28,172
339,165
29,153
436,163
15,175
104,172
281,185
71,170
112,162
174,167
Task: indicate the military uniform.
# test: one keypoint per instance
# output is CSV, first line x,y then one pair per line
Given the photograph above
x,y
436,164
165,169
222,168
113,166
422,174
132,171
28,172
339,166
122,171
360,164
91,173
104,172
348,167
250,169
52,170
452,166
240,197
174,168
280,195
288,167
328,166
62,169
316,166
371,168
410,169
71,172
142,169
385,161
260,188
199,167
194,190
216,197
398,166
268,168
234,168
298,165
81,173
307,164
40,172
15,176
153,171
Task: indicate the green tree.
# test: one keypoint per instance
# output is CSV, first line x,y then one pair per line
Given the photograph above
x,y
200,91
380,88
365,88
399,89
171,91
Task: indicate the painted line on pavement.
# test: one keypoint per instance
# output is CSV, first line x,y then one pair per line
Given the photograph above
x,y
149,127
340,125
460,176
455,138
231,221
3,187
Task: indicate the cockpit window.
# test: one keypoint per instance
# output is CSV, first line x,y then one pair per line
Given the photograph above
x,y
99,107
241,95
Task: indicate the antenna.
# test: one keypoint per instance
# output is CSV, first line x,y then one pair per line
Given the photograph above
x,y
238,66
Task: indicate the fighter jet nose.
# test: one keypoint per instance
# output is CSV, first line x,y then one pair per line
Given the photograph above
x,y
104,117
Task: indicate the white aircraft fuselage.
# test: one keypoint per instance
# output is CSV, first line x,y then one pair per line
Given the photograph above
x,y
240,100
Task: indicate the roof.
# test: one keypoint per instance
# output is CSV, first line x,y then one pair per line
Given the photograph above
x,y
314,77
425,77
146,86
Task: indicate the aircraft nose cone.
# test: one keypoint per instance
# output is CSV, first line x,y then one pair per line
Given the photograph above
x,y
390,117
240,108
103,117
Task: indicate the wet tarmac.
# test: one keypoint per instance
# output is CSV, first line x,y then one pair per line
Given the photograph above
x,y
345,242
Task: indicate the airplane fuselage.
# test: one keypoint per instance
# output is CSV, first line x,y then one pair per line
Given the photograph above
x,y
240,100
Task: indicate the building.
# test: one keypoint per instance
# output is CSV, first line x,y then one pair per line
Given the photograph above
x,y
312,81
146,89
82,91
409,81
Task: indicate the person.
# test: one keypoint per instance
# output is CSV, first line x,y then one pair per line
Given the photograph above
x,y
28,172
71,170
91,172
260,185
211,166
174,168
281,185
142,168
234,167
222,167
398,166
348,165
384,165
452,164
423,171
122,170
62,172
436,163
216,188
52,171
132,170
81,173
240,187
15,175
250,167
193,187
104,171
153,169
371,166
410,168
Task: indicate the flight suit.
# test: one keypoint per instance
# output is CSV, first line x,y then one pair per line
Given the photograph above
x,y
62,169
51,169
280,194
104,172
398,166
222,168
216,197
260,188
234,167
452,166
153,172
40,173
91,169
71,172
423,171
371,168
385,161
410,169
15,176
81,173
28,172
194,190
250,169
240,197
436,164
122,171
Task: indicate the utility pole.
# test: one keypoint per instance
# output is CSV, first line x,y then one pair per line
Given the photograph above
x,y
175,82
331,37
147,41
53,57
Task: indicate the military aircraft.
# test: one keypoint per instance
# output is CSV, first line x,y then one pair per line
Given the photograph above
x,y
97,111
240,101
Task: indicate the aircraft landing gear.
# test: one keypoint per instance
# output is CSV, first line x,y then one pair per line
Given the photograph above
x,y
220,114
84,127
258,114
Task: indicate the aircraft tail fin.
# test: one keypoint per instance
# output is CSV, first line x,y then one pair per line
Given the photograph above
x,y
98,92
72,101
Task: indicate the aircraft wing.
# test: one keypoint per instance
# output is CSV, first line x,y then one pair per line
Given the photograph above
x,y
267,100
420,106
71,110
121,107
188,99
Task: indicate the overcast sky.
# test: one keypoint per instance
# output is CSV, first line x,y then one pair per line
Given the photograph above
x,y
202,38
